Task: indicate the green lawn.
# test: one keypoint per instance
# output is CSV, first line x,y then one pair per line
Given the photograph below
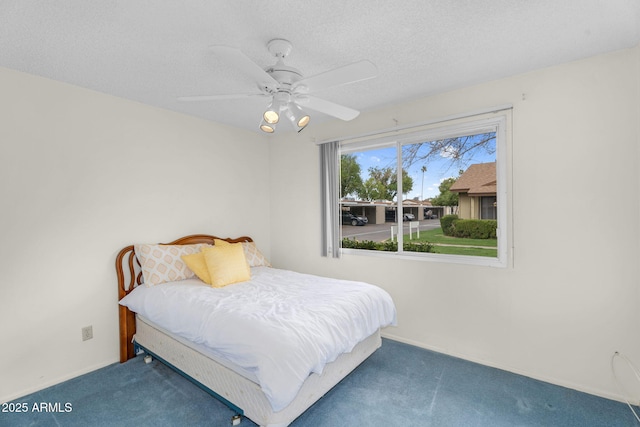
x,y
456,246
461,250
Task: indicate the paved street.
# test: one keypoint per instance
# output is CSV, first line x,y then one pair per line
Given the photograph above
x,y
381,232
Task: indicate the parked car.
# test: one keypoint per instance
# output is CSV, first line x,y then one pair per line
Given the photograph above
x,y
349,218
408,217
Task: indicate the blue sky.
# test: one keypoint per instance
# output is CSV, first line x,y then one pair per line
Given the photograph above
x,y
438,169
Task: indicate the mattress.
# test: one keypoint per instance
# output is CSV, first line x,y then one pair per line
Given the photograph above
x,y
147,331
226,382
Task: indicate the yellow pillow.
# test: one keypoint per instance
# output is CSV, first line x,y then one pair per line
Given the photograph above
x,y
226,264
198,265
251,252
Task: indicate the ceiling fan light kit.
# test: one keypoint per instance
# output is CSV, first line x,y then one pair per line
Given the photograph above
x,y
287,87
283,106
297,116
272,114
269,128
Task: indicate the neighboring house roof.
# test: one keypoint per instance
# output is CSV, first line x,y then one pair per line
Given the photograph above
x,y
477,180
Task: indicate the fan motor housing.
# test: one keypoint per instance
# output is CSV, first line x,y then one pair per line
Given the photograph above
x,y
284,74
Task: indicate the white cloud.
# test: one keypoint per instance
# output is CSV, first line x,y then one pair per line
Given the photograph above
x,y
449,152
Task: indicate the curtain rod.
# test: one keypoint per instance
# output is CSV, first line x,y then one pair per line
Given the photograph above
x,y
415,125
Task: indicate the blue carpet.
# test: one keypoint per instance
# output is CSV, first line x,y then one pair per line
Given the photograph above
x,y
399,385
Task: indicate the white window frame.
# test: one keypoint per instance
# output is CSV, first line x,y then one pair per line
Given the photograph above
x,y
500,123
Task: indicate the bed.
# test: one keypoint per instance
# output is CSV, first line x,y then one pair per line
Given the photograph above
x,y
268,346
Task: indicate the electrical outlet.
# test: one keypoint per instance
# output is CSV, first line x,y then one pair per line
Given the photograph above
x,y
87,333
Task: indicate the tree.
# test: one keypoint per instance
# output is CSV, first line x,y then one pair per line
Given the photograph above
x,y
373,190
459,150
350,180
382,184
446,197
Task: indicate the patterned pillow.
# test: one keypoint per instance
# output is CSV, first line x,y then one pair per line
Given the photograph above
x,y
162,263
254,256
251,252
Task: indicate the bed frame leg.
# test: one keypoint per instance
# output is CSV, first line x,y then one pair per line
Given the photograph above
x,y
137,350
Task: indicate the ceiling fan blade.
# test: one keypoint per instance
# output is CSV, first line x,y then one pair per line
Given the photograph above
x,y
327,107
219,97
358,71
244,64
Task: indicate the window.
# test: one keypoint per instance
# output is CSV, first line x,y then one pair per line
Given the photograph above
x,y
488,207
437,192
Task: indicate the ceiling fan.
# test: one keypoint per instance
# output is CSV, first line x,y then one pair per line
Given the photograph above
x,y
287,87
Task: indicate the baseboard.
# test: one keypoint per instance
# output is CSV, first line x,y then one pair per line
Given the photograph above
x,y
58,380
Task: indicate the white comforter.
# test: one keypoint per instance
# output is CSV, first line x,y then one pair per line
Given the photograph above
x,y
280,325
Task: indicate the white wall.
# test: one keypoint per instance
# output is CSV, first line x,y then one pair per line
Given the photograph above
x,y
82,175
570,298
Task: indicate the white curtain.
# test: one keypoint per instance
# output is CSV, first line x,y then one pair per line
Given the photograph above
x,y
330,193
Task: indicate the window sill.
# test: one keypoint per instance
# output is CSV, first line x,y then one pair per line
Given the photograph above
x,y
420,256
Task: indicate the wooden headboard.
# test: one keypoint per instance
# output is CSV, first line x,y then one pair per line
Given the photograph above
x,y
130,276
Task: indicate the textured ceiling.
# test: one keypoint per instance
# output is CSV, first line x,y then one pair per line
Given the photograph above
x,y
154,51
